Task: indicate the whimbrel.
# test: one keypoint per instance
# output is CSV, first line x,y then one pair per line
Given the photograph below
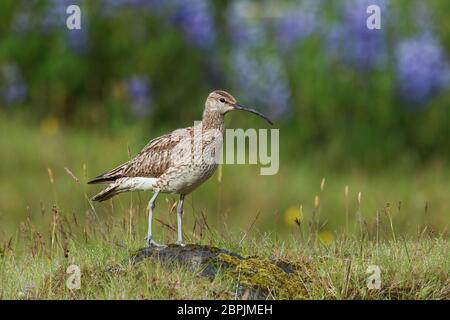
x,y
167,165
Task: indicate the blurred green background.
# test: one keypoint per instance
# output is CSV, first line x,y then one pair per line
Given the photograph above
x,y
362,110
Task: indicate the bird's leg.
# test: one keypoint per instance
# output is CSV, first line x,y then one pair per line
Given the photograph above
x,y
151,206
179,216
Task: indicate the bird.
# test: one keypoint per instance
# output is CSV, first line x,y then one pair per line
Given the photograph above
x,y
175,163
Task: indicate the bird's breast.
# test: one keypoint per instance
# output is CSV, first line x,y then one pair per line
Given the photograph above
x,y
184,179
192,169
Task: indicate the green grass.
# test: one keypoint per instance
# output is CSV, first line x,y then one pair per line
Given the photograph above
x,y
417,197
410,269
46,224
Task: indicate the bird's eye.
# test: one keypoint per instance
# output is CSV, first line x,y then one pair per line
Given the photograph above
x,y
222,100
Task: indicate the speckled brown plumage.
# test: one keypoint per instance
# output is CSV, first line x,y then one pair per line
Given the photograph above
x,y
177,162
155,159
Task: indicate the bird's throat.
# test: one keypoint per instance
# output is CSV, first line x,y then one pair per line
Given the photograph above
x,y
213,120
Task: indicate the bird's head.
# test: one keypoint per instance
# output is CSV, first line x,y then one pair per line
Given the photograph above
x,y
223,102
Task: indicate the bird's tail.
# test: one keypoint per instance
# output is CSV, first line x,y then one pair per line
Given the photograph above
x,y
106,194
110,176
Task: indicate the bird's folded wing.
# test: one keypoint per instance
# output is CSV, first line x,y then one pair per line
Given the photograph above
x,y
152,161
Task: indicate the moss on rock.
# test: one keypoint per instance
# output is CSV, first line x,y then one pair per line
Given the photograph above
x,y
265,276
262,277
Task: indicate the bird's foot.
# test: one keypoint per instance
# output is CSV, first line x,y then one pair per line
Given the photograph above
x,y
180,243
153,243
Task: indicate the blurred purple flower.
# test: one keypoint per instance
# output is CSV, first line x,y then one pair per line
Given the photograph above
x,y
111,5
77,40
139,92
260,78
14,88
196,20
298,23
55,21
194,17
352,42
261,82
55,16
243,30
421,68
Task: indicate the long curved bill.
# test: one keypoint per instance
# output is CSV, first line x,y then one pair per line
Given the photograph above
x,y
238,106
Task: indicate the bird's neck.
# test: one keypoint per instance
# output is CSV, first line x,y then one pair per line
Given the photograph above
x,y
213,120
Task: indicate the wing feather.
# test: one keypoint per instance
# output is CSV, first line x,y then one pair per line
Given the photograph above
x,y
152,161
